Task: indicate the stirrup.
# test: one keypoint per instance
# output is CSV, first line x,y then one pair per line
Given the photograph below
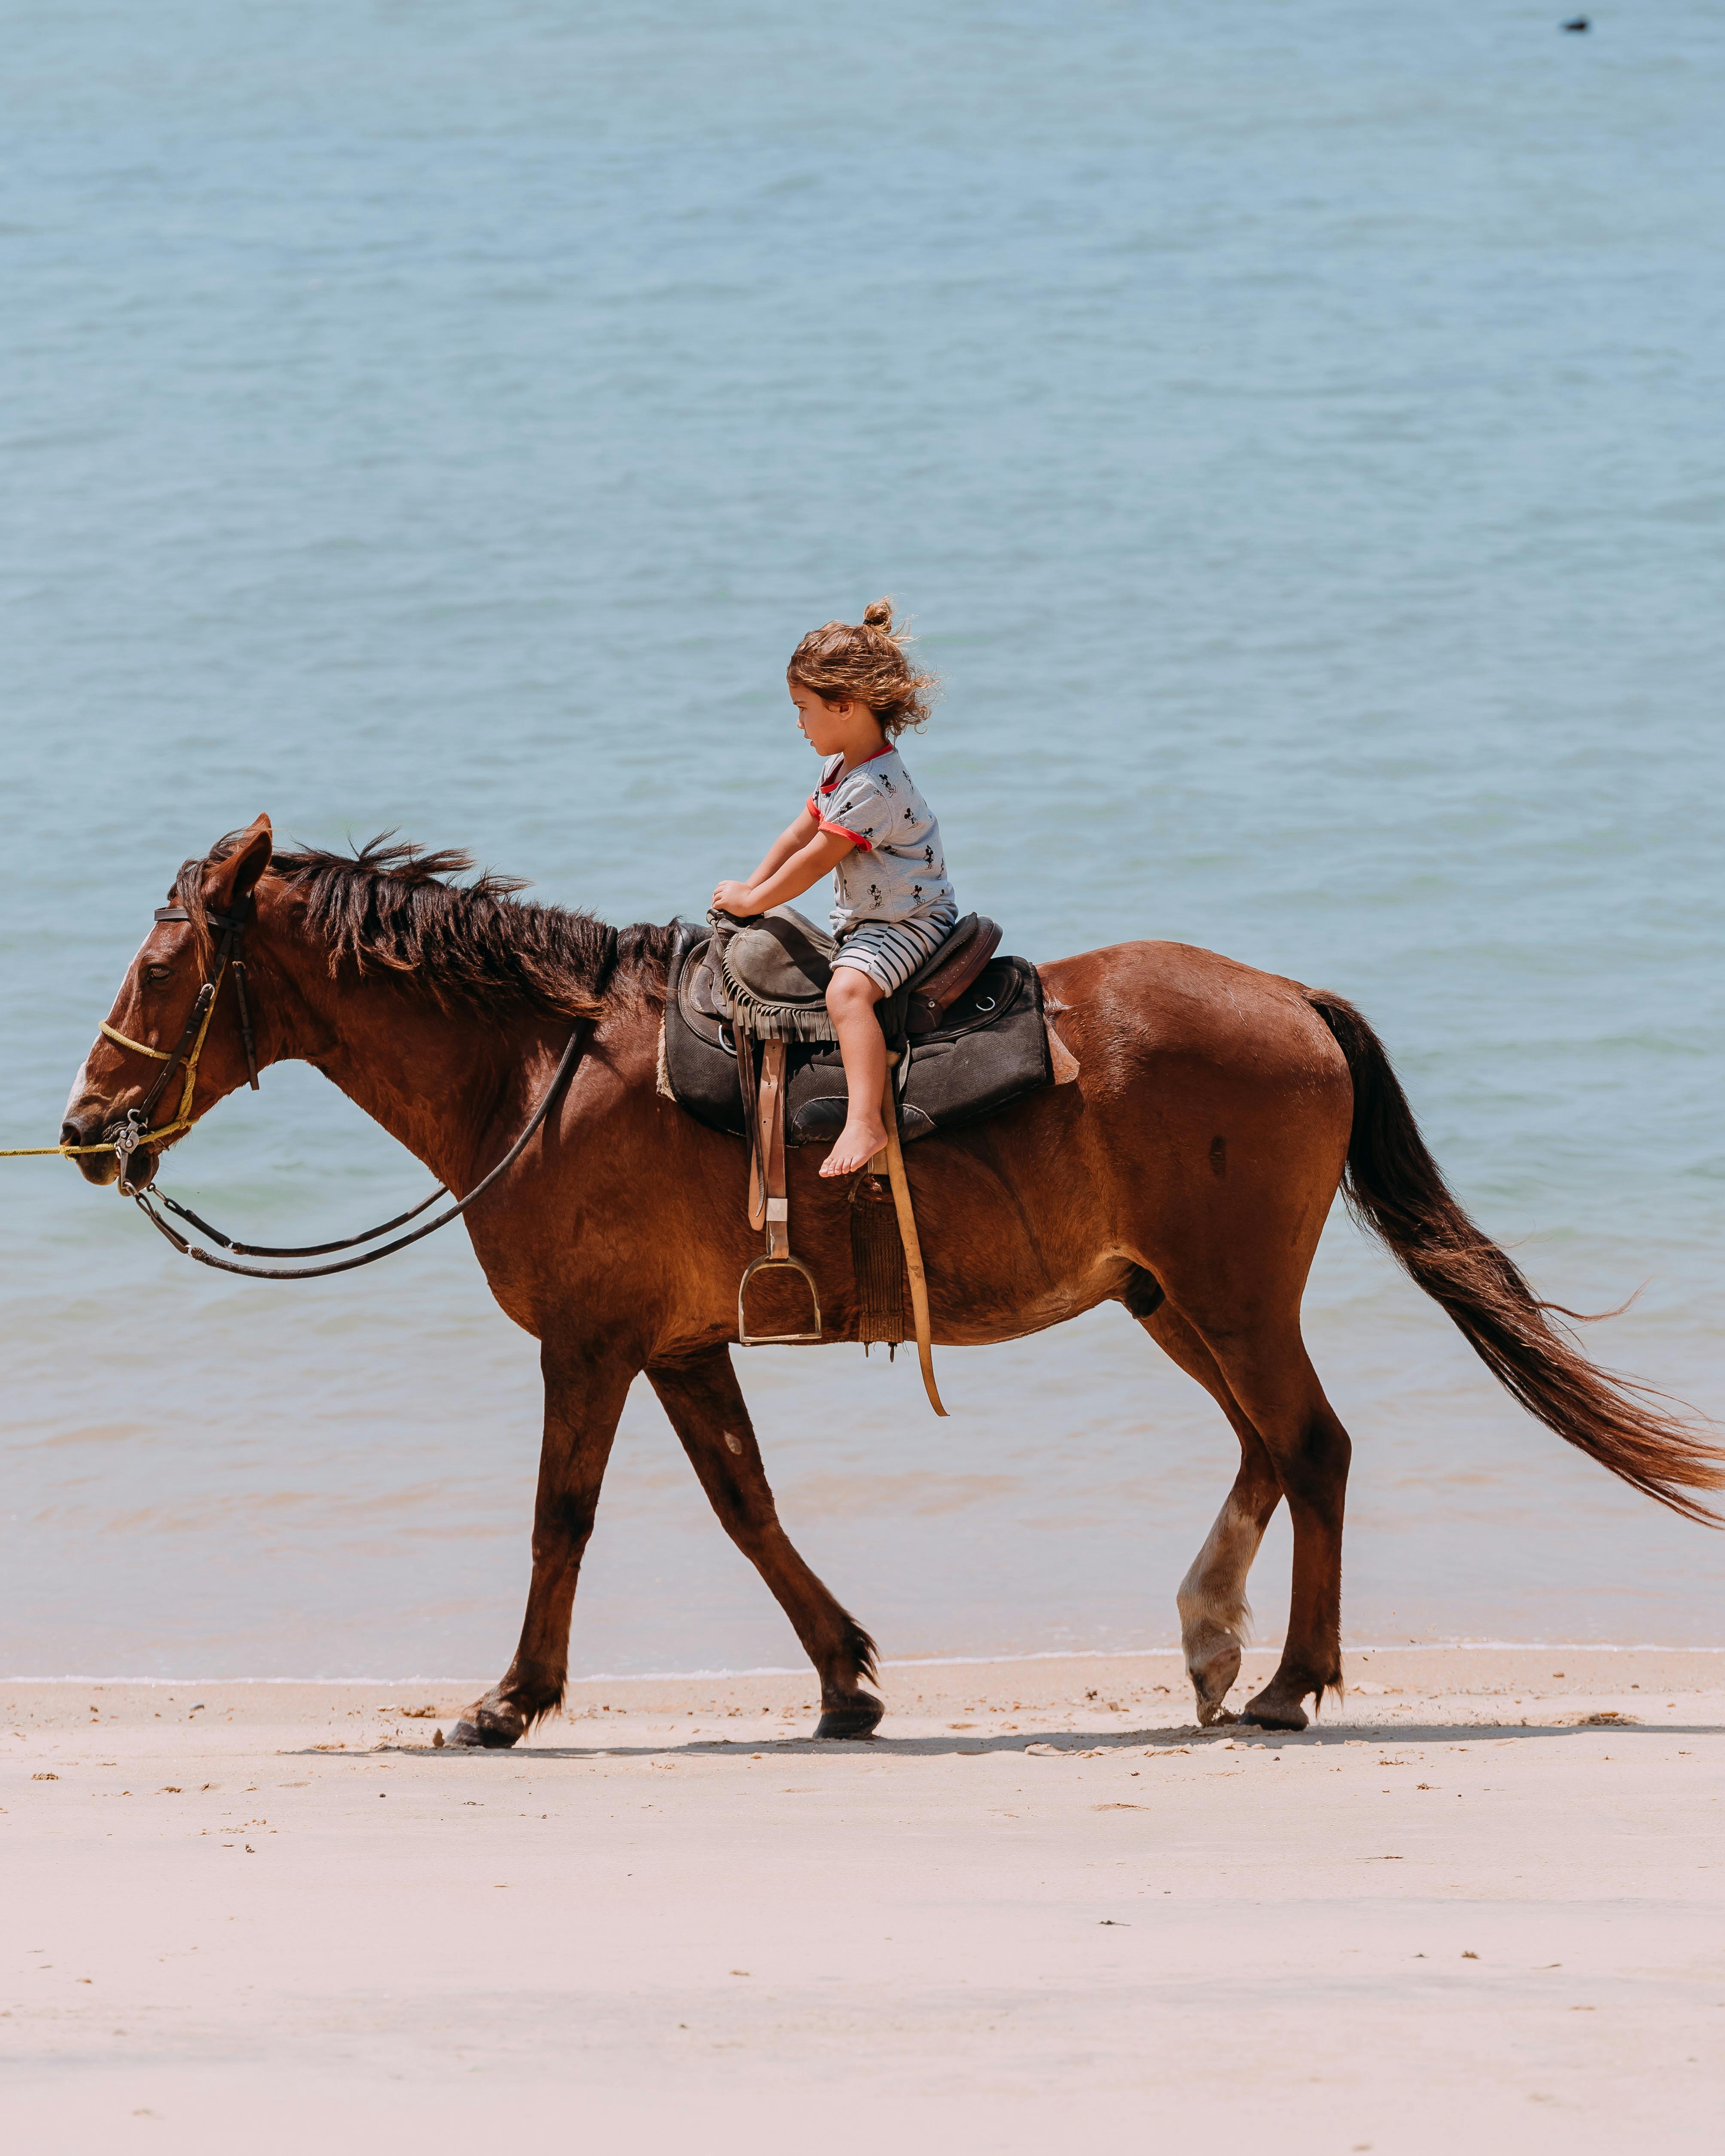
x,y
745,1338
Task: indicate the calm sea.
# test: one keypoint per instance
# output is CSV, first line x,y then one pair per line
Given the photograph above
x,y
1295,431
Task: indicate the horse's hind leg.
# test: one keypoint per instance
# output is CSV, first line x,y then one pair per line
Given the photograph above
x,y
706,1406
583,1400
1214,1616
1269,1375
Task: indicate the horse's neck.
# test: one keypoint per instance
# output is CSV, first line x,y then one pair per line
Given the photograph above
x,y
435,1080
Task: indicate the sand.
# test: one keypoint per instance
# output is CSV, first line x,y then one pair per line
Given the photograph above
x,y
1477,1908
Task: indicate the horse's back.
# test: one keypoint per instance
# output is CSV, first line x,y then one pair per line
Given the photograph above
x,y
1144,1008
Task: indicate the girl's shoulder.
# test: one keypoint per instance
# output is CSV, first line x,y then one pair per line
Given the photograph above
x,y
884,773
844,789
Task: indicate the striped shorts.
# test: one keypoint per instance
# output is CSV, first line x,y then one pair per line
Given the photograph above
x,y
889,952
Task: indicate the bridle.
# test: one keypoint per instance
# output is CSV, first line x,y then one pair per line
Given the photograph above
x,y
134,1132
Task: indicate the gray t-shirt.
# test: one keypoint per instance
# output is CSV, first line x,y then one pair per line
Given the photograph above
x,y
898,871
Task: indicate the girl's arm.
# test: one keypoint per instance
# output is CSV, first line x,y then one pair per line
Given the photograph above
x,y
790,840
782,876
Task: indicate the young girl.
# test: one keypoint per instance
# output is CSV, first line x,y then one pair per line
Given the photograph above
x,y
856,692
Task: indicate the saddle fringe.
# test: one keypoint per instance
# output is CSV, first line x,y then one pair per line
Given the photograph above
x,y
769,1021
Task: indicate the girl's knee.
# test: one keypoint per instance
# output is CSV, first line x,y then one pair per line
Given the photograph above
x,y
851,990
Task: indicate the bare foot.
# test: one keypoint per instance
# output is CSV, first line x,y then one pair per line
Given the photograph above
x,y
862,1139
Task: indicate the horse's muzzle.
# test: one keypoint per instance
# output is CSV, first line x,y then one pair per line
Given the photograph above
x,y
85,1128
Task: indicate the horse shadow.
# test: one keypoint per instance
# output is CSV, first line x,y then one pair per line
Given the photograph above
x,y
1074,1743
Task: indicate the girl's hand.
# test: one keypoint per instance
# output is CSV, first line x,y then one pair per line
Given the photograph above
x,y
734,898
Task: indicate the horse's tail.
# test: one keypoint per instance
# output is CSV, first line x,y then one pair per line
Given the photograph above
x,y
1394,1186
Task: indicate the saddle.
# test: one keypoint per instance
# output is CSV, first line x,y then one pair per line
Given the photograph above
x,y
776,968
971,1024
747,1049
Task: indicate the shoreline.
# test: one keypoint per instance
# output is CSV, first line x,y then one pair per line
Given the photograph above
x,y
448,1682
1146,1690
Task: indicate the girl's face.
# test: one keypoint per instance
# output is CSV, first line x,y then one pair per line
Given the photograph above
x,y
828,727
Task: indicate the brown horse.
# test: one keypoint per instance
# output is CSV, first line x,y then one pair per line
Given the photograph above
x,y
1187,1173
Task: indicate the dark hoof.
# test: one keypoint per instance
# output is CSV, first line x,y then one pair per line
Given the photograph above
x,y
858,1719
489,1735
1268,1713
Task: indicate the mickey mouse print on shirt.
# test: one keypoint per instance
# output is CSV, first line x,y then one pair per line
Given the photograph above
x,y
898,871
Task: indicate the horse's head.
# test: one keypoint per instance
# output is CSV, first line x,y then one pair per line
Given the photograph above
x,y
162,1026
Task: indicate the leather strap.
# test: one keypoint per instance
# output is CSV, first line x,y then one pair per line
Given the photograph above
x,y
571,1057
748,1086
769,1201
895,1161
777,1209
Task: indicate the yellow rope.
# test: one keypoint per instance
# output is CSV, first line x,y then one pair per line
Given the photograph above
x,y
106,1145
114,1033
31,1152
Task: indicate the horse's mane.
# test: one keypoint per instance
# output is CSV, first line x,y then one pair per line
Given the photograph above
x,y
388,906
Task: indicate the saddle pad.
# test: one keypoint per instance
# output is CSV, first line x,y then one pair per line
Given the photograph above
x,y
990,1046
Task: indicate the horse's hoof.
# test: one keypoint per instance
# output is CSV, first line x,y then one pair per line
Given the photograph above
x,y
1269,1713
1212,1680
489,1732
858,1719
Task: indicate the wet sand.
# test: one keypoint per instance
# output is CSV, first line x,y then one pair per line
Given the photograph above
x,y
1477,1907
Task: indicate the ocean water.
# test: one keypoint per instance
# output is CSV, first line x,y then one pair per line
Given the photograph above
x,y
1295,430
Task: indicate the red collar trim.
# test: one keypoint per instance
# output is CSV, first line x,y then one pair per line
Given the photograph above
x,y
841,774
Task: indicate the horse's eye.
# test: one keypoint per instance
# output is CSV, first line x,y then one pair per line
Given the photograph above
x,y
157,975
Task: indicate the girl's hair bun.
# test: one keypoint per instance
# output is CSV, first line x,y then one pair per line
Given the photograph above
x,y
867,660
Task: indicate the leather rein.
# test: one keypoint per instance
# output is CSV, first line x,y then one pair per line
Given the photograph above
x,y
133,1133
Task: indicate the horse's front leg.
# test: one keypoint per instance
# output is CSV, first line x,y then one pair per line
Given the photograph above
x,y
705,1406
583,1399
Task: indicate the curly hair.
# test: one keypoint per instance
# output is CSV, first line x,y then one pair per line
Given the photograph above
x,y
867,660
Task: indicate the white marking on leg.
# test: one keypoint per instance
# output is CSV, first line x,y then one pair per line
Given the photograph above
x,y
1212,1598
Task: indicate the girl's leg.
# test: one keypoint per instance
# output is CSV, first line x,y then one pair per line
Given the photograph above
x,y
851,997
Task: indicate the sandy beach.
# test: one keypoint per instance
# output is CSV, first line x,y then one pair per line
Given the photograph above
x,y
1478,1906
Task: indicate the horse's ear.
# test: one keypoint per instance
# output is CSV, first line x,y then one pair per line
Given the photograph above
x,y
229,882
